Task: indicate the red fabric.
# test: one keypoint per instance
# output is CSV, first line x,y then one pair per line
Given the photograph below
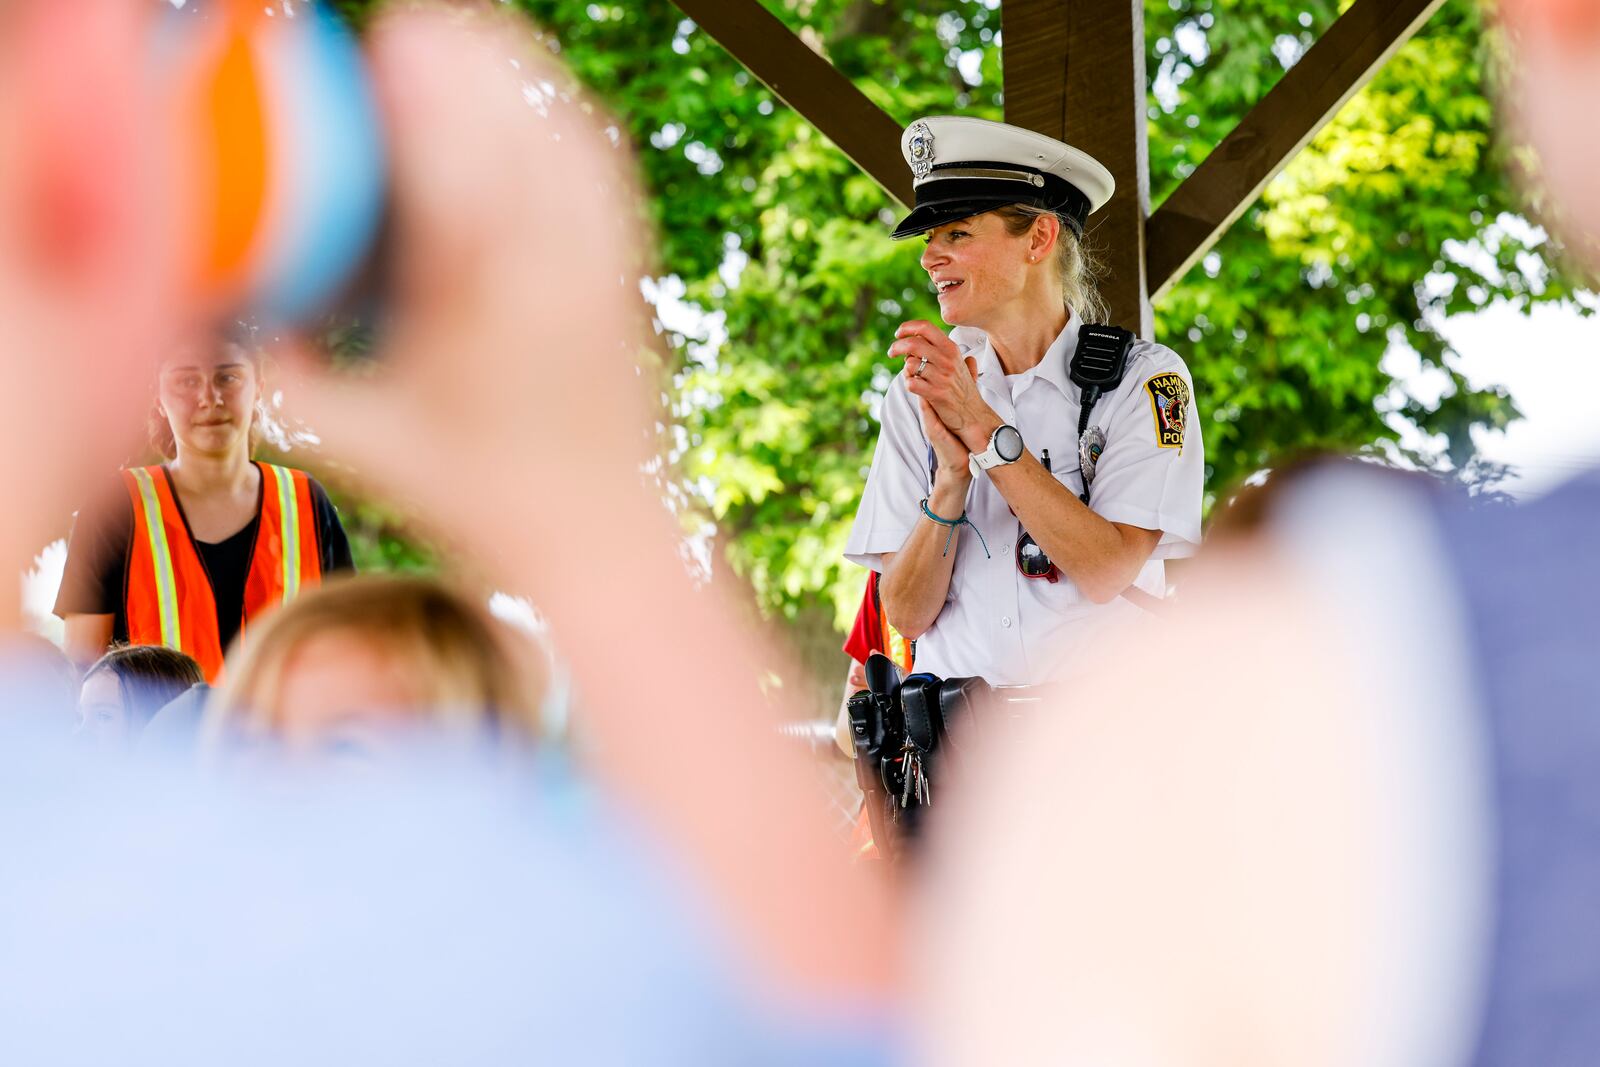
x,y
866,636
872,631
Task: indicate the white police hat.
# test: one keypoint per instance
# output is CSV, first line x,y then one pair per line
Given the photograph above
x,y
964,166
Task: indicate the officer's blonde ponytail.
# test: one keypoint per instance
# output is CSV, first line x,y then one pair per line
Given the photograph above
x,y
1078,265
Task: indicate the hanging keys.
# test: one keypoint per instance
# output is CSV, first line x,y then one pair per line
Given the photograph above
x,y
915,780
911,770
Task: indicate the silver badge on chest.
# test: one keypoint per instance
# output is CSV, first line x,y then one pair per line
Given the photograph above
x,y
1090,445
921,150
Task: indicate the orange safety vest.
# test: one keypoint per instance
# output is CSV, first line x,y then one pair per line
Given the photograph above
x,y
169,597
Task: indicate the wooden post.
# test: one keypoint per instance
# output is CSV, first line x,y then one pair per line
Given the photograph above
x,y
1074,69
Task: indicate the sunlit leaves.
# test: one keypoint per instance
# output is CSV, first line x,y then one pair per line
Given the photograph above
x,y
1395,216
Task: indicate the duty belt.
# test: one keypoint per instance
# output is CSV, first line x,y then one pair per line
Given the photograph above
x,y
901,727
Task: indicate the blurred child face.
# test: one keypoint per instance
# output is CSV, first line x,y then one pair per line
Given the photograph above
x,y
102,716
209,398
340,691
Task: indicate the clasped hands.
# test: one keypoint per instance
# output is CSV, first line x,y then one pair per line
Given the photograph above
x,y
955,417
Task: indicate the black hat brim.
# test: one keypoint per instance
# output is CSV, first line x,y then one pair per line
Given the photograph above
x,y
926,217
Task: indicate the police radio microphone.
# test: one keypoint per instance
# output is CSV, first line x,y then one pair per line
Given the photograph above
x,y
1097,367
1099,363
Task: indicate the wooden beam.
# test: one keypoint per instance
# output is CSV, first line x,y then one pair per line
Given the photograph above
x,y
1335,68
1033,64
811,85
1074,69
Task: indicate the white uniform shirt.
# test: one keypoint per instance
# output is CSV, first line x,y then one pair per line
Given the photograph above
x,y
997,624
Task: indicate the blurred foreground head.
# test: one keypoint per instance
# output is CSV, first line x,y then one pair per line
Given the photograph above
x,y
360,657
1261,832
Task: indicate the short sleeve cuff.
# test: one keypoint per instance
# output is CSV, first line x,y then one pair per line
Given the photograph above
x,y
1179,537
867,551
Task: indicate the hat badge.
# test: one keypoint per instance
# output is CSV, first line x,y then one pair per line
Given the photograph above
x,y
921,150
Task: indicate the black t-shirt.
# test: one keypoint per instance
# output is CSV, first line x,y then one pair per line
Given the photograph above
x,y
95,581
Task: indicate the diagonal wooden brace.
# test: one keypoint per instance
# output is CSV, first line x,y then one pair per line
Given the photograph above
x,y
811,85
1333,70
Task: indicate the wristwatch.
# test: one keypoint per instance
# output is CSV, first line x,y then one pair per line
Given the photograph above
x,y
1005,446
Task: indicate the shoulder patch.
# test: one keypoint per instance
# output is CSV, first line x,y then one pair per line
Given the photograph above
x,y
1169,403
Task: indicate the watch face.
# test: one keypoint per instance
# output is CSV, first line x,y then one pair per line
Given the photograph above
x,y
1008,443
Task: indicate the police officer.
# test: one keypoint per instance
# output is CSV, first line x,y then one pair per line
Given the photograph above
x,y
974,510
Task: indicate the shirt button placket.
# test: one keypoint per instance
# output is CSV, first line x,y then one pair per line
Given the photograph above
x,y
1011,611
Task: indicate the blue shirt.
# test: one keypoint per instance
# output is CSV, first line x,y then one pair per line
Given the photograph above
x,y
463,915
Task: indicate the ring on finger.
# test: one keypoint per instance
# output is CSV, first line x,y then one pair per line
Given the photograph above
x,y
921,367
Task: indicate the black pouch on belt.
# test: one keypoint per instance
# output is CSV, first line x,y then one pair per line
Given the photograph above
x,y
919,702
963,705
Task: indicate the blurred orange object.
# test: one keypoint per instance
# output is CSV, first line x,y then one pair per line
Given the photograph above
x,y
280,144
233,136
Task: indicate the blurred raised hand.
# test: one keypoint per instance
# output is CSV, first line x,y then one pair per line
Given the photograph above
x,y
1554,95
511,405
510,365
89,286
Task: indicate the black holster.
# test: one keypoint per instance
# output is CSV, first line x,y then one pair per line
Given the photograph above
x,y
902,729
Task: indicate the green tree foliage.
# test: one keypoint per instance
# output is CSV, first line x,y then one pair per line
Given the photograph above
x,y
1389,221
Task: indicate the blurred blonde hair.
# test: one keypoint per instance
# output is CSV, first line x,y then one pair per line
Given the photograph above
x,y
463,664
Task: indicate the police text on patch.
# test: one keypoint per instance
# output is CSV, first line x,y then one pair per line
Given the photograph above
x,y
1169,403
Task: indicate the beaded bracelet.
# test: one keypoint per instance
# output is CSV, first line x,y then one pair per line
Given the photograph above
x,y
952,524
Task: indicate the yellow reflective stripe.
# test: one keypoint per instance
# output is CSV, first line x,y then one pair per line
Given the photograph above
x,y
161,560
899,651
289,522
